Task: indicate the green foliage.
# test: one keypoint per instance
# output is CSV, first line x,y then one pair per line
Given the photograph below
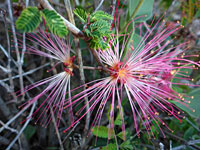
x,y
193,107
29,131
96,27
145,9
180,88
118,118
110,146
120,135
126,145
81,14
100,15
103,132
29,19
55,22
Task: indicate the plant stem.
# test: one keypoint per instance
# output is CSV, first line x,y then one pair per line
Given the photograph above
x,y
137,8
81,70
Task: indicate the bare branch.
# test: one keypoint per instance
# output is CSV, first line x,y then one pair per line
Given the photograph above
x,y
56,128
81,70
16,46
26,73
100,4
15,117
23,128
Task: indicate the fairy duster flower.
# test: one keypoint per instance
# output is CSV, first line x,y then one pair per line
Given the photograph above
x,y
143,74
58,85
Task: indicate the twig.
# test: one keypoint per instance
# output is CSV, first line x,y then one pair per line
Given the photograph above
x,y
192,142
24,41
181,139
100,4
70,132
9,57
81,71
192,124
4,69
23,128
113,9
6,86
56,128
5,141
4,109
6,53
26,73
69,25
89,67
16,46
77,2
9,128
83,3
13,118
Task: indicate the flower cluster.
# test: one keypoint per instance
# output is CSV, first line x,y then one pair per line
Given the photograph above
x,y
143,74
58,84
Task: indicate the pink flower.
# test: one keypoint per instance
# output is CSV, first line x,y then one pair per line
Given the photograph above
x,y
143,74
58,86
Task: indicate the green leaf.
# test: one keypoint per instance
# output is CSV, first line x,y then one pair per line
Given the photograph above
x,y
180,88
188,133
103,132
55,23
137,42
81,14
120,135
110,146
100,25
29,131
126,145
29,19
197,13
194,105
100,15
145,9
118,118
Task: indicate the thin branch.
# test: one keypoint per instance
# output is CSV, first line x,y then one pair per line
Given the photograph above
x,y
56,128
16,46
13,118
69,25
77,2
70,132
4,108
9,128
81,71
89,67
192,124
23,128
24,41
182,140
6,70
113,7
5,141
8,54
100,4
192,142
26,73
